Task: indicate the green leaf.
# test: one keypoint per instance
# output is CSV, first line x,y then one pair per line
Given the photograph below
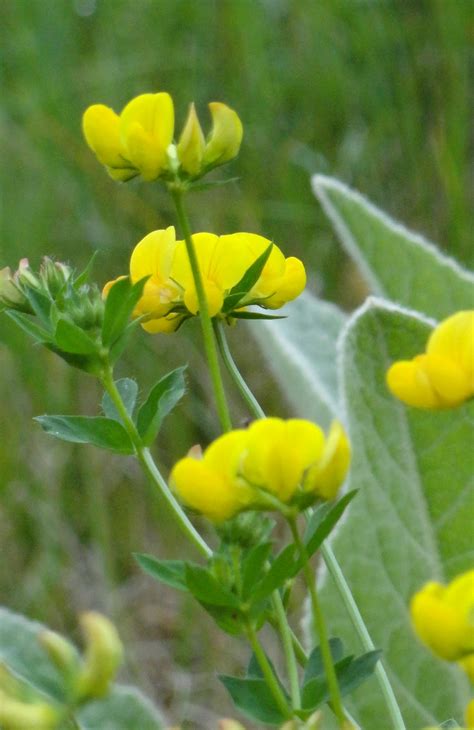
x,y
252,697
412,520
207,589
315,666
357,671
301,352
71,338
125,708
20,650
170,572
249,279
83,277
29,326
40,304
162,399
102,432
256,315
323,520
397,263
119,305
128,390
253,567
283,567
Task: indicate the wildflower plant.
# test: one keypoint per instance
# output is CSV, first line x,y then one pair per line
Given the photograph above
x,y
351,428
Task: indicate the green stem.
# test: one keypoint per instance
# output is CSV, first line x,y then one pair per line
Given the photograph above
x,y
364,636
248,396
288,648
206,323
146,460
320,626
269,676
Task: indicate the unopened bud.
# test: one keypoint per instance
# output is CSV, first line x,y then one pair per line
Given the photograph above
x,y
88,311
102,658
12,685
229,725
60,651
226,135
191,144
54,275
25,276
11,295
15,715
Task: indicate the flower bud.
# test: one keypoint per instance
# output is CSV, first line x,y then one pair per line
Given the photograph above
x,y
11,295
12,685
15,715
87,310
54,275
191,144
60,651
102,657
227,724
226,135
25,276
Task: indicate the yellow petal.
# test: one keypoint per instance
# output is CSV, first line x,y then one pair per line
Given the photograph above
x,y
327,476
146,131
448,380
226,135
453,340
408,380
100,125
214,298
203,489
122,174
470,709
441,626
290,285
279,452
153,255
191,144
163,325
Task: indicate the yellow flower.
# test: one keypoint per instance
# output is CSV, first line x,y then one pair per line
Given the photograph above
x,y
223,260
170,293
137,141
283,455
278,457
211,485
443,617
443,376
134,142
102,658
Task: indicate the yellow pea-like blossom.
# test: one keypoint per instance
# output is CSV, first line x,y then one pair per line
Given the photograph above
x,y
170,293
443,376
136,141
212,484
443,618
223,260
272,459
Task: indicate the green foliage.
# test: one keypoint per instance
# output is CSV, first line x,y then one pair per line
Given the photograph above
x,y
249,279
252,697
397,263
301,351
105,433
410,521
128,389
20,650
161,400
119,305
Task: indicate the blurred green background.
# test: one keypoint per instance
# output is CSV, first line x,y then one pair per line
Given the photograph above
x,y
372,91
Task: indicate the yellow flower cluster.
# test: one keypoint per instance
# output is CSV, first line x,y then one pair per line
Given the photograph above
x,y
443,376
271,460
170,293
139,141
443,618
